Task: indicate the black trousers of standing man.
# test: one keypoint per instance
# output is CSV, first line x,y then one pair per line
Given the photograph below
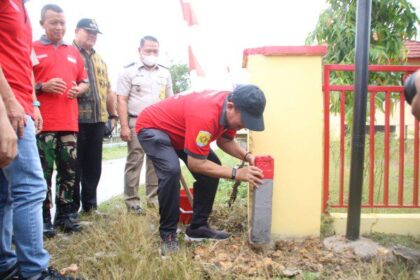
x,y
89,164
165,158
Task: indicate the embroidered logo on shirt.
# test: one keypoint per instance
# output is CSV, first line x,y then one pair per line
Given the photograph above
x,y
203,138
71,59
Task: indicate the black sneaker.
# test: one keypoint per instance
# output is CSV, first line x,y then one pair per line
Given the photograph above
x,y
169,245
11,273
51,274
204,232
48,229
137,210
67,224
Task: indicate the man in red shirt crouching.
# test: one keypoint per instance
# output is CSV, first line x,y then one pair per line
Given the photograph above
x,y
183,126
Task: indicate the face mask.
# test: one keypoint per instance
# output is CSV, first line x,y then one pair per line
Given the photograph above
x,y
149,60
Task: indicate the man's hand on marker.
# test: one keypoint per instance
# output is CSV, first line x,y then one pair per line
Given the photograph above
x,y
250,174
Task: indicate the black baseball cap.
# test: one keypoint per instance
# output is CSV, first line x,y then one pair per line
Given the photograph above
x,y
88,24
250,101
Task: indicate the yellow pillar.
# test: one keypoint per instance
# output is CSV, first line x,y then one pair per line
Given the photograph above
x,y
291,78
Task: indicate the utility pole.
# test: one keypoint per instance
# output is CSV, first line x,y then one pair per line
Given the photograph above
x,y
363,19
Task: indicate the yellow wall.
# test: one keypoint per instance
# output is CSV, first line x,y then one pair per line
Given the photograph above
x,y
294,137
386,223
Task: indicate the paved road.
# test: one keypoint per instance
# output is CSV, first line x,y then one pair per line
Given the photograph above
x,y
112,179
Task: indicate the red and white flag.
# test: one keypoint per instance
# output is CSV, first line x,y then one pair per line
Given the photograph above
x,y
191,19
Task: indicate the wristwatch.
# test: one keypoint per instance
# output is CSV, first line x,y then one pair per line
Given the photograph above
x,y
38,87
234,170
36,104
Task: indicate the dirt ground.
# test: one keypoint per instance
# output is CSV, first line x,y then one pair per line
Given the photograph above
x,y
288,259
296,259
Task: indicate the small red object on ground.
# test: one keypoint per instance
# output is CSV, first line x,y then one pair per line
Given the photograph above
x,y
185,208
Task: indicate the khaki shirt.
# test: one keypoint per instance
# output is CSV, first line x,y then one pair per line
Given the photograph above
x,y
144,87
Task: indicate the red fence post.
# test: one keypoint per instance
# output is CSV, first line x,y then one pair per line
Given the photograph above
x,y
401,153
342,143
371,148
326,138
386,147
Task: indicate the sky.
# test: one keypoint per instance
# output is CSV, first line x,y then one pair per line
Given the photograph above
x,y
226,28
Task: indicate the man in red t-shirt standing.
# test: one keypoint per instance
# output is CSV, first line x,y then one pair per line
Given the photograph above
x,y
60,78
183,127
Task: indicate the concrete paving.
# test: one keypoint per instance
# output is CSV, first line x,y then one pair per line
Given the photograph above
x,y
112,179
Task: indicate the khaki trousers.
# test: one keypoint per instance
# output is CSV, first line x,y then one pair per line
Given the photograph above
x,y
133,165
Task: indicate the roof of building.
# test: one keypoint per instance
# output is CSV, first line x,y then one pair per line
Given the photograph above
x,y
413,49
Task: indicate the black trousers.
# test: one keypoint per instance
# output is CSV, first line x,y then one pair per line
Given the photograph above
x,y
89,164
165,158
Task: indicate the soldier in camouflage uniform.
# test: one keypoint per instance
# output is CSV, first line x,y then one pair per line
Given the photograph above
x,y
60,78
58,148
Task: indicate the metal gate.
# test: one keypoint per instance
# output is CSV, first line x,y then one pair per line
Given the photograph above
x,y
392,146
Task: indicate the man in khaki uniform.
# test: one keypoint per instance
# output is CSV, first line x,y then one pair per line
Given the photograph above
x,y
140,85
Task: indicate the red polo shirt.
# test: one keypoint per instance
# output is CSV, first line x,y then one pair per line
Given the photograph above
x,y
60,113
15,51
192,121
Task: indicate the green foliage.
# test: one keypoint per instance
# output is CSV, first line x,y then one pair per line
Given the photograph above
x,y
180,77
392,22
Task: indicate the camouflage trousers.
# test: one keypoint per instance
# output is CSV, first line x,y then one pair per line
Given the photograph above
x,y
59,148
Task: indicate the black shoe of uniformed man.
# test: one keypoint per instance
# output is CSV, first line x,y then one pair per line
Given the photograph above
x,y
11,273
66,219
136,210
48,230
204,232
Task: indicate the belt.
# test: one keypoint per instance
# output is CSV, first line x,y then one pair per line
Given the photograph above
x,y
132,116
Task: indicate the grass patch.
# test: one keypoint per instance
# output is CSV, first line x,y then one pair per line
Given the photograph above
x,y
116,152
121,246
327,226
125,246
388,240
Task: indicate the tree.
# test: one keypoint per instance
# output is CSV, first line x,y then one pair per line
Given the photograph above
x,y
393,22
180,77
